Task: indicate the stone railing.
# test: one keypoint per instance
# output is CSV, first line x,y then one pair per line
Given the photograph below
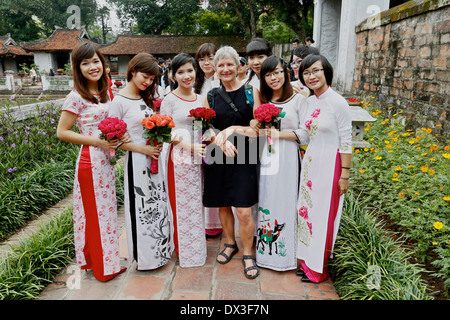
x,y
57,83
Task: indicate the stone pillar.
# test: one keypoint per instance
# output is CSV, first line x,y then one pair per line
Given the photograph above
x,y
334,32
10,80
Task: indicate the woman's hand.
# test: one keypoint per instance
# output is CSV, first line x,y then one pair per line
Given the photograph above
x,y
108,145
152,151
255,125
229,149
343,186
209,136
198,148
223,136
125,138
298,89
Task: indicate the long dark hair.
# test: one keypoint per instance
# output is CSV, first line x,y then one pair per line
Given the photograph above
x,y
269,65
179,60
310,60
86,50
205,50
257,46
145,63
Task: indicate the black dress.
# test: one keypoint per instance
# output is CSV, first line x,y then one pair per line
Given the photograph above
x,y
232,181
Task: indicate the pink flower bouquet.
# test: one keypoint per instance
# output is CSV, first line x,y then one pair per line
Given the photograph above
x,y
269,116
112,128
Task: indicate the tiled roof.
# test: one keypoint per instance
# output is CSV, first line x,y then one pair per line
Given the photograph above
x,y
168,45
8,45
60,40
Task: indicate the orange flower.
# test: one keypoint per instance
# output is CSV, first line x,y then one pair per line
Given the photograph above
x,y
148,123
447,148
401,195
424,169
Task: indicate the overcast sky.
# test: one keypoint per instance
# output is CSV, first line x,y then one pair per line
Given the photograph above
x,y
114,22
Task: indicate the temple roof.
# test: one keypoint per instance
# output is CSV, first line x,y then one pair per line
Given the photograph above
x,y
60,40
168,45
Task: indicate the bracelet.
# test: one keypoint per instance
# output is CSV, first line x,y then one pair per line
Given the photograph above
x,y
345,167
345,178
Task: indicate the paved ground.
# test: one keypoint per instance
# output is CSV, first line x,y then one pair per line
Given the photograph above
x,y
212,281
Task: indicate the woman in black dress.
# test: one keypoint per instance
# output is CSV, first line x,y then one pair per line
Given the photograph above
x,y
231,174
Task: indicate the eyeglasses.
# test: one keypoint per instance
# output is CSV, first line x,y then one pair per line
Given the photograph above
x,y
210,59
276,73
296,63
307,74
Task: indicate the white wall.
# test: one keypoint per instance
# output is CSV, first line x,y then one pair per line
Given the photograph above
x,y
334,33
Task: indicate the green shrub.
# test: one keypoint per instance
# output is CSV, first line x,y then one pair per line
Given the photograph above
x,y
404,175
370,265
32,264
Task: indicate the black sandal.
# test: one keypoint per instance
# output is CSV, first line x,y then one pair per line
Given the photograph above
x,y
223,254
253,267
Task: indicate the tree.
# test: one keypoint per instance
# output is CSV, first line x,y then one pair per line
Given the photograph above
x,y
155,16
29,20
295,14
248,12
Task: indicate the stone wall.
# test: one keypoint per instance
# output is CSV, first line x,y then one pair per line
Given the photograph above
x,y
403,57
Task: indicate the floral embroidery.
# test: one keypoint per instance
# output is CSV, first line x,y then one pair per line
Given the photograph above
x,y
308,124
304,226
303,212
316,113
311,124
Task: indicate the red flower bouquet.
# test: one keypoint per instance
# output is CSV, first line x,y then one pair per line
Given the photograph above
x,y
204,115
118,84
202,121
158,128
269,116
112,128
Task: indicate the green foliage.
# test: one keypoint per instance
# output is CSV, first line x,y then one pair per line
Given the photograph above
x,y
274,30
221,22
36,167
405,175
154,17
368,263
33,263
30,20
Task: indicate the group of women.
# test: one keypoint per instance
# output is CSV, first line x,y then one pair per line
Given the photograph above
x,y
291,204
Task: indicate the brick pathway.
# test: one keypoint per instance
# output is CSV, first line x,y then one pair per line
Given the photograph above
x,y
212,281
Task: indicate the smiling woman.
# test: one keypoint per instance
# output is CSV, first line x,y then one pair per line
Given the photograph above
x,y
87,61
232,181
94,204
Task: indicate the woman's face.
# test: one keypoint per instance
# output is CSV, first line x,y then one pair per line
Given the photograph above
x,y
315,78
185,76
92,69
295,64
275,79
206,63
255,62
143,80
226,69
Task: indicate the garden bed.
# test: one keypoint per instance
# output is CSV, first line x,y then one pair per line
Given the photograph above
x,y
404,178
36,167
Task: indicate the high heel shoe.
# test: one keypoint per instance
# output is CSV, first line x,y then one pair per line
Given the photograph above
x,y
300,273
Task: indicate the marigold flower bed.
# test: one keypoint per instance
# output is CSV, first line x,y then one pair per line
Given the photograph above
x,y
404,175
